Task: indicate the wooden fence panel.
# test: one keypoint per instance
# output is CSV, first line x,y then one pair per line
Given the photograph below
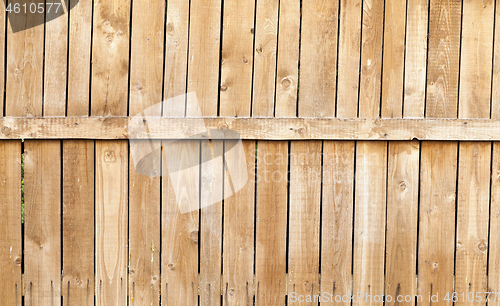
x,y
271,223
78,222
10,222
494,242
42,240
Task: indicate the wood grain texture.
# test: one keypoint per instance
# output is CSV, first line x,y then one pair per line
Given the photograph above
x,y
337,219
80,40
264,64
42,222
304,219
318,58
3,25
176,48
237,58
144,237
24,82
271,223
416,58
180,230
287,74
369,221
146,60
204,54
495,90
393,59
349,55
494,242
371,58
211,195
402,215
78,222
111,206
110,57
472,221
476,59
238,259
443,58
55,62
10,222
436,246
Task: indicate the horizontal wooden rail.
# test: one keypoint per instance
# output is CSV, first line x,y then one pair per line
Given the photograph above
x,y
251,128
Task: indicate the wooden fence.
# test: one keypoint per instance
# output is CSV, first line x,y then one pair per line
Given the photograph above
x,y
370,131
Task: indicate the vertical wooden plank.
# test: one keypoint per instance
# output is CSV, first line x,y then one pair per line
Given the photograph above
x,y
176,48
438,179
111,256
204,54
271,223
287,75
237,58
336,218
180,230
304,219
443,58
402,215
416,58
211,222
318,73
80,40
371,58
472,222
239,229
494,242
25,65
10,222
3,20
42,222
369,221
349,55
393,59
264,69
110,53
495,99
146,73
56,62
78,222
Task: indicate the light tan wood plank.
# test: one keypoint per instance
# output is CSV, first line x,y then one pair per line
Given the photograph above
x,y
78,222
264,68
238,259
443,58
80,39
237,58
349,55
369,221
495,99
204,54
110,57
180,224
402,215
111,191
337,220
304,219
393,59
176,49
271,223
287,74
10,220
494,242
472,222
211,194
318,57
25,65
42,222
416,58
3,24
371,58
55,61
436,246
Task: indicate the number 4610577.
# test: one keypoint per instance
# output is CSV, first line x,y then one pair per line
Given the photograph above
x,y
16,8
